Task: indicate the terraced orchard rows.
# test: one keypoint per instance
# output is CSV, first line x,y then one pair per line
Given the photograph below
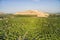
x,y
29,28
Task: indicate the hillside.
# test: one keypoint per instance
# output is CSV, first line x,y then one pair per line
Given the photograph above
x,y
33,12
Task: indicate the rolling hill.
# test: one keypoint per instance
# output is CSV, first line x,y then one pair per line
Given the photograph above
x,y
33,12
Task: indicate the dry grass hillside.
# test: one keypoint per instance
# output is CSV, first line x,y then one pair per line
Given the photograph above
x,y
33,12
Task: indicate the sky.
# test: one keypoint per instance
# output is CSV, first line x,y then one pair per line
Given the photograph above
x,y
12,6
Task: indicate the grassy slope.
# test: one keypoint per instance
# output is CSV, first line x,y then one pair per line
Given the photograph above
x,y
30,28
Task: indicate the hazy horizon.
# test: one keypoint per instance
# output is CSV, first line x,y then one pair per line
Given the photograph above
x,y
12,6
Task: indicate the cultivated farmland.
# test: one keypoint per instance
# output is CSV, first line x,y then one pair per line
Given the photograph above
x,y
15,27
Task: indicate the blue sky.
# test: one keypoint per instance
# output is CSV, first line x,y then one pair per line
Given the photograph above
x,y
11,6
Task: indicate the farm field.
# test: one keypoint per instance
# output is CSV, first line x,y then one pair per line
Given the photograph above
x,y
29,28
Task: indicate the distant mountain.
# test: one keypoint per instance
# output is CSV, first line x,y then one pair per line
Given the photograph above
x,y
33,12
1,13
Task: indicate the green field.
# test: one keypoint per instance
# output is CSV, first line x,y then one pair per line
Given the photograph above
x,y
29,28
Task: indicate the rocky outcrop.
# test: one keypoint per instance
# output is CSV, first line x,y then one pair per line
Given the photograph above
x,y
33,12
